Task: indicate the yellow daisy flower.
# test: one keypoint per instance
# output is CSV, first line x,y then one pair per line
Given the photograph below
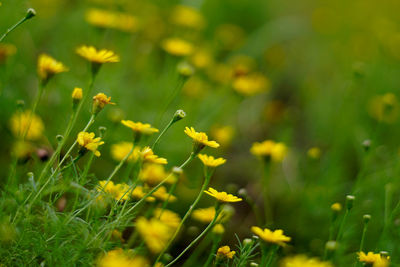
x,y
24,122
204,215
89,142
48,66
218,229
200,140
93,55
225,252
113,20
116,191
139,192
149,156
153,174
251,84
177,47
100,101
186,16
210,161
138,127
370,257
168,217
154,233
222,196
336,207
6,50
304,261
274,237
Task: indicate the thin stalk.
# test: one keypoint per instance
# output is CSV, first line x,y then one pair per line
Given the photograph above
x,y
271,255
342,224
205,231
216,240
189,211
30,13
172,121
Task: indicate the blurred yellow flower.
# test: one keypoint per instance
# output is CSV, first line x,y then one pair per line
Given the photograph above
x,y
91,54
48,66
168,217
200,139
88,141
251,84
139,192
6,50
201,58
121,149
303,261
204,215
154,233
149,156
77,94
177,47
225,252
274,237
116,191
230,36
21,149
119,258
218,229
223,134
20,122
153,174
222,196
186,16
314,152
114,20
210,161
269,150
336,207
371,258
162,195
138,127
384,108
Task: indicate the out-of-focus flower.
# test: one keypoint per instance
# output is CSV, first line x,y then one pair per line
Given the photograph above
x,y
139,128
121,149
48,66
314,153
21,150
274,237
384,108
303,261
200,140
371,258
6,50
222,196
88,142
153,174
223,134
186,16
210,161
116,191
218,229
119,258
201,58
100,101
93,55
162,195
251,84
168,217
20,122
154,233
177,47
114,20
139,192
269,150
230,36
149,156
195,87
76,95
206,215
336,207
225,252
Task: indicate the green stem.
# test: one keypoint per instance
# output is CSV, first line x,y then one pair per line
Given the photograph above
x,y
204,187
342,224
29,15
205,231
214,247
271,255
172,121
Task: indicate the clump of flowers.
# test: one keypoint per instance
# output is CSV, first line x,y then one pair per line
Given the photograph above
x,y
120,258
225,252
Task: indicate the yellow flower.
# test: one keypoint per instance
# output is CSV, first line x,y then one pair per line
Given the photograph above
x,y
251,84
6,50
371,258
210,161
116,191
154,233
200,140
138,127
93,55
222,196
204,215
304,261
336,207
121,149
77,94
118,258
153,174
148,156
168,217
21,121
162,195
22,149
269,150
100,101
114,20
139,192
223,134
88,141
48,66
177,47
314,152
274,237
218,229
225,252
187,17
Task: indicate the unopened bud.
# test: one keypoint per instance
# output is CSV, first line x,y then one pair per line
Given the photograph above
x,y
167,257
384,254
30,13
59,138
366,144
247,241
77,95
185,69
102,130
179,114
331,245
253,264
349,201
366,218
20,104
177,170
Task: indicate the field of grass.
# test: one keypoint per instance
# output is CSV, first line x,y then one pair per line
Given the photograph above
x,y
110,110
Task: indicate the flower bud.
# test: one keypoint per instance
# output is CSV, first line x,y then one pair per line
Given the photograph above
x,y
366,218
20,104
185,69
253,264
331,245
179,114
349,201
247,241
30,13
366,144
59,138
77,95
384,254
102,130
